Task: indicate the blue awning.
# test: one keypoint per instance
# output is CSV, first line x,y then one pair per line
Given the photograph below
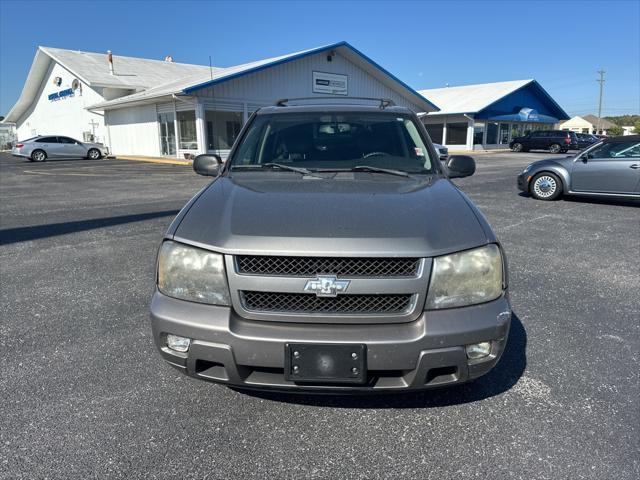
x,y
526,115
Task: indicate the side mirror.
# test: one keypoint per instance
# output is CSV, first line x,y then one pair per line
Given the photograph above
x,y
207,164
460,166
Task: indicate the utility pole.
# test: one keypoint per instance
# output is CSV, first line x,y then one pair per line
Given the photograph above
x,y
601,82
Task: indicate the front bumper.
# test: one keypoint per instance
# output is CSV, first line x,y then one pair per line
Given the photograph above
x,y
424,353
523,181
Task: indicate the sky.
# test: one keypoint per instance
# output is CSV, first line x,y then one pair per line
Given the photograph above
x,y
427,44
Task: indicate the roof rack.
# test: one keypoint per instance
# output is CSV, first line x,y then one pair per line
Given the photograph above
x,y
384,102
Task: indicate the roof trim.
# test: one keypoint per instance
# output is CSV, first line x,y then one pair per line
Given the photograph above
x,y
304,54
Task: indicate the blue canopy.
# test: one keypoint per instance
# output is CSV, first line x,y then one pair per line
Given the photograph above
x,y
526,115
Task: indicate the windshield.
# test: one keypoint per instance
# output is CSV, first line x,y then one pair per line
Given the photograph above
x,y
317,141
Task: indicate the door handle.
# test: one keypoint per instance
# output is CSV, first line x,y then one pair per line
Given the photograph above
x,y
635,166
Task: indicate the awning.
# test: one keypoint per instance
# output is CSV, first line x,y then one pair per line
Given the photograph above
x,y
525,115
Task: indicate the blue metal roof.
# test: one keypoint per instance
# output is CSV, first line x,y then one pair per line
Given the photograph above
x,y
530,97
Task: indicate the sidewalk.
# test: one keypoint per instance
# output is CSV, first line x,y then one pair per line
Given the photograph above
x,y
479,152
162,160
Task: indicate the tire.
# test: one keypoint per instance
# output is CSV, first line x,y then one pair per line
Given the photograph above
x,y
94,154
517,147
545,186
555,148
38,156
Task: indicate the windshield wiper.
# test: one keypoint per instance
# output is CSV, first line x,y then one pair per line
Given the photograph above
x,y
389,171
301,170
279,166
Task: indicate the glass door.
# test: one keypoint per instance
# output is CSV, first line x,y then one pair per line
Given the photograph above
x,y
167,134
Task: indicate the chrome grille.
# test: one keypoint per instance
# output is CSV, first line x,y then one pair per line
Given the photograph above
x,y
342,304
310,266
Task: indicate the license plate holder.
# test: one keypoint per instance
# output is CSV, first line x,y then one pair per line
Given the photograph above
x,y
324,363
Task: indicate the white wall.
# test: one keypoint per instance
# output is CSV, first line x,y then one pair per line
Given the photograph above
x,y
133,131
66,116
294,79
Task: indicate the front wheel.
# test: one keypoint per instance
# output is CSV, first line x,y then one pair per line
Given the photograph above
x,y
555,148
93,154
546,186
516,147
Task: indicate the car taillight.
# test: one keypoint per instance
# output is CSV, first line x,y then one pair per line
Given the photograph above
x,y
19,145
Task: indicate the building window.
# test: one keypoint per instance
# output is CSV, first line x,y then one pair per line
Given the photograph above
x,y
516,130
492,133
456,134
222,129
478,133
504,133
187,130
435,132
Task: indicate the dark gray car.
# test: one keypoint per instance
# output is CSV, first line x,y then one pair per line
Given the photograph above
x,y
608,168
331,252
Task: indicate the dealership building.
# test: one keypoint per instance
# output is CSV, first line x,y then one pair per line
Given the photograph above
x,y
163,108
489,115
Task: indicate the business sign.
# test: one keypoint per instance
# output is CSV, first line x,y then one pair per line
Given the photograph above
x,y
61,94
330,83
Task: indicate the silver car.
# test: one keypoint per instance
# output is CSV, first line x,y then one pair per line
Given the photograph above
x,y
608,168
38,149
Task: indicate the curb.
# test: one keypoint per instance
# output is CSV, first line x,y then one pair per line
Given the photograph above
x,y
159,160
479,152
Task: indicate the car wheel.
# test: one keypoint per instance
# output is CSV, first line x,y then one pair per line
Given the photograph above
x,y
555,148
516,147
93,154
546,186
38,156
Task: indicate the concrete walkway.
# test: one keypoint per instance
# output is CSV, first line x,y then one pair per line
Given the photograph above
x,y
163,160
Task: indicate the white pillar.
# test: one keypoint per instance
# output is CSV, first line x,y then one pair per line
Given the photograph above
x,y
444,132
176,129
201,131
470,125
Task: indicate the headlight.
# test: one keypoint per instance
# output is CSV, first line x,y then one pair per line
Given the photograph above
x,y
192,274
465,278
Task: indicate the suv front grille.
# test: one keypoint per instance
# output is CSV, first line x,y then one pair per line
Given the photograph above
x,y
310,266
309,303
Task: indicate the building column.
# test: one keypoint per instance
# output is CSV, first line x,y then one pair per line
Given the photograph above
x,y
201,131
470,125
176,129
444,132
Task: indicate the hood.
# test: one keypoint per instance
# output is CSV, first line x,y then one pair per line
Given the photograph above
x,y
352,214
563,162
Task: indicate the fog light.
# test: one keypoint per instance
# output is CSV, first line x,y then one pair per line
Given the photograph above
x,y
179,344
478,350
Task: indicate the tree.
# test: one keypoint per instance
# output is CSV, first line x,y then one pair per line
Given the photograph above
x,y
614,131
637,127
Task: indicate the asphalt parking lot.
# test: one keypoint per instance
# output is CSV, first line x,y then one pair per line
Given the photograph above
x,y
85,395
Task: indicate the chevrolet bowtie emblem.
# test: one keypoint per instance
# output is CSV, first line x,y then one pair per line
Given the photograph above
x,y
326,286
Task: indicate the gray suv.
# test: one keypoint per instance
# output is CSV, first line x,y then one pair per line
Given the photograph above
x,y
331,253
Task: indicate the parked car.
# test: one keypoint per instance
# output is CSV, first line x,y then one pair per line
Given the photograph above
x,y
443,151
556,141
610,167
331,252
38,149
586,140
